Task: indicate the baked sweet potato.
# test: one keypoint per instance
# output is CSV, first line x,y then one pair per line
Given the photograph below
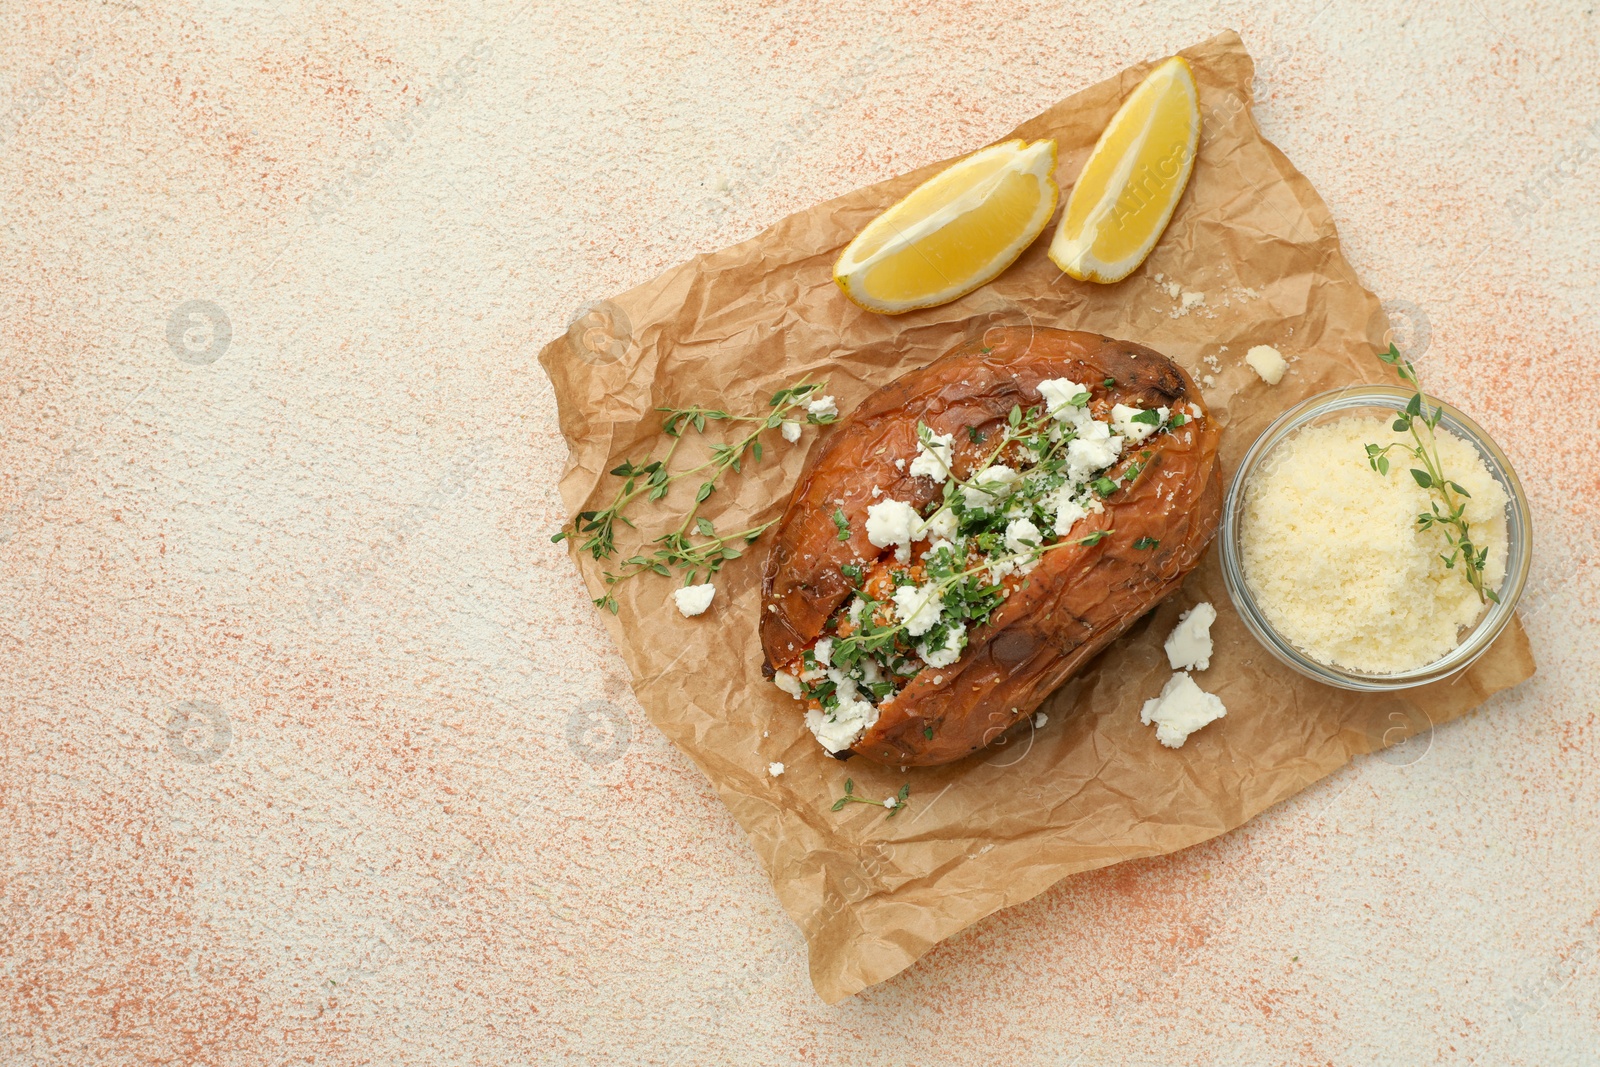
x,y
1027,629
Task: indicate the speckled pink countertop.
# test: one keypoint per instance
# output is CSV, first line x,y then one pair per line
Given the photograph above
x,y
311,748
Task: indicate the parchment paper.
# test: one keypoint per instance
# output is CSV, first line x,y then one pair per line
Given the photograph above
x,y
1092,787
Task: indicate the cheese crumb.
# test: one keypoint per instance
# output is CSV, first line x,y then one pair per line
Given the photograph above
x,y
1181,709
838,730
824,407
1039,720
893,524
1189,645
791,431
1267,362
935,462
694,599
918,606
1331,551
774,769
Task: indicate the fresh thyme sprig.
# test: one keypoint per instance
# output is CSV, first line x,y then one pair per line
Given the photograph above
x,y
651,479
1446,513
895,804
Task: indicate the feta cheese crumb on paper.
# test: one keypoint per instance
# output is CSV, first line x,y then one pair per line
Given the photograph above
x,y
1189,644
774,769
788,683
824,407
1181,709
933,462
890,802
1193,300
791,431
1268,362
1039,720
694,599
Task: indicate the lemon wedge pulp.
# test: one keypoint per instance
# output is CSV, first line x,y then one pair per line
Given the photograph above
x,y
1133,179
954,232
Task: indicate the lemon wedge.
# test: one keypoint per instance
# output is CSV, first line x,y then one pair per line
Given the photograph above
x,y
1133,179
954,232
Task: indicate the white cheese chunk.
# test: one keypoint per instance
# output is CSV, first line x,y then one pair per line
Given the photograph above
x,y
1058,395
990,486
1088,457
1122,422
893,524
1022,536
790,431
918,607
788,683
1189,644
774,769
823,407
837,730
1268,362
933,462
1181,709
694,599
940,525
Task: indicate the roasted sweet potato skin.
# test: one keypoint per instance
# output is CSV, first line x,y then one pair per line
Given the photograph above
x,y
1075,602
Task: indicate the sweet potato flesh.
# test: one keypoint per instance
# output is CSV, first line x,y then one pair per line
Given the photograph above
x,y
1078,597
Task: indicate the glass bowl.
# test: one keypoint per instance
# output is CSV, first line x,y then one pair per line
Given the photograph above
x,y
1386,401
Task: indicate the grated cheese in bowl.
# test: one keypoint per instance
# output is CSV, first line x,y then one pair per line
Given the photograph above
x,y
1325,558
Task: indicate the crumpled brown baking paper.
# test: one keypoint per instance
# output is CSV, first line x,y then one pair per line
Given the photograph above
x,y
1091,787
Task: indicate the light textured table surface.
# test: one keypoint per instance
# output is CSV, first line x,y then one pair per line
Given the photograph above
x,y
311,746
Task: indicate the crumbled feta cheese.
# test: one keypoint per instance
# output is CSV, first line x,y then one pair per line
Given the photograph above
x,y
1172,289
856,607
823,407
844,686
790,431
893,524
693,599
900,463
1086,457
990,486
948,652
1022,535
941,524
1181,709
933,462
877,491
1039,720
837,730
1068,510
890,802
1058,395
941,545
823,650
774,769
1268,362
1189,644
788,683
1122,422
918,607
1193,300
